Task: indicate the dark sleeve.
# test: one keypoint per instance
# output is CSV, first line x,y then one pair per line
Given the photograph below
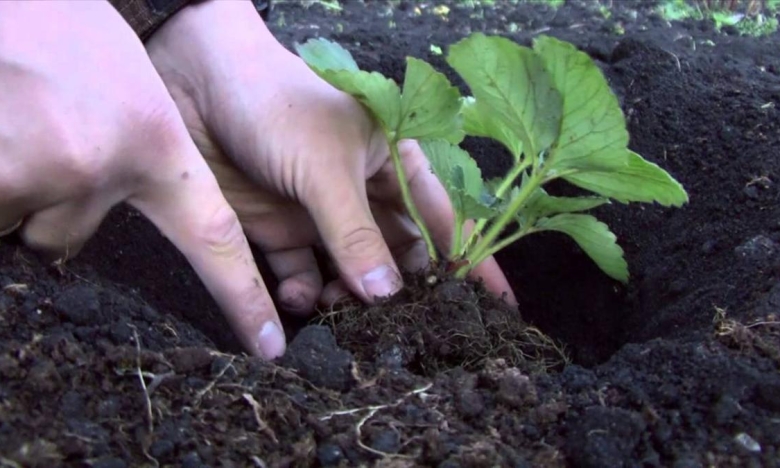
x,y
145,16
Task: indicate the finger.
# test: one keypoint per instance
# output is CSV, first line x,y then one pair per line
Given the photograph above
x,y
60,232
300,282
280,227
350,234
186,204
437,212
332,293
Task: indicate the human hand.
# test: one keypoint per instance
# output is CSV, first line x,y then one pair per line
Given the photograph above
x,y
86,123
299,161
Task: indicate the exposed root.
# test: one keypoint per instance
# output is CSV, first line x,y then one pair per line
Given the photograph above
x,y
147,399
202,392
262,426
370,412
761,336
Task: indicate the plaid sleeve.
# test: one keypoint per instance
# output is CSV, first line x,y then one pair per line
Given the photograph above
x,y
145,16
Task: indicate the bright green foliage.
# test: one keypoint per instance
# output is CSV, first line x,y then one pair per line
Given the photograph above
x,y
428,107
593,132
462,179
511,84
638,181
549,105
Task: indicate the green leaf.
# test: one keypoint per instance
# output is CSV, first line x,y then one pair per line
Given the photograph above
x,y
335,65
461,177
640,181
430,105
593,237
326,55
593,131
479,121
513,85
541,205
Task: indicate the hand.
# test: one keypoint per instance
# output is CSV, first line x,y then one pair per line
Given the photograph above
x,y
86,123
301,162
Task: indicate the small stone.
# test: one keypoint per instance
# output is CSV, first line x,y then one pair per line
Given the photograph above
x,y
748,443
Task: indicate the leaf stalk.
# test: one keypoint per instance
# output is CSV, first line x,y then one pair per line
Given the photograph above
x,y
502,190
409,203
485,244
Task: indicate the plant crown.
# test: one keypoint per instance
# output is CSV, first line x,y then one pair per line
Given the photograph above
x,y
552,109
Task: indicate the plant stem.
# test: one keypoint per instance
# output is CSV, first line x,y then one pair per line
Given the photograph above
x,y
505,186
409,202
505,242
458,237
503,220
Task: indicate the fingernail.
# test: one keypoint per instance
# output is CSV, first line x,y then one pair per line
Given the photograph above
x,y
382,281
272,341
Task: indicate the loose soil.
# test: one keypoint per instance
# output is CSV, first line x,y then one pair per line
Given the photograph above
x,y
119,357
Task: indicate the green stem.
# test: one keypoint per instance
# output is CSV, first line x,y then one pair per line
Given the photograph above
x,y
505,242
497,227
411,207
458,237
505,186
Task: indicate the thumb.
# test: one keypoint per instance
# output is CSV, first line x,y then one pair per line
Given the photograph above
x,y
352,237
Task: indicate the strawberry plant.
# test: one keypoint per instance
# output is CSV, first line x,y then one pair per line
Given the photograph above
x,y
552,109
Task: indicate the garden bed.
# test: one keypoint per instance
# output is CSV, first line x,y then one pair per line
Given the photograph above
x,y
678,368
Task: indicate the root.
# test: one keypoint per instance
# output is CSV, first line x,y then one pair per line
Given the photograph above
x,y
147,400
761,336
203,391
262,426
370,412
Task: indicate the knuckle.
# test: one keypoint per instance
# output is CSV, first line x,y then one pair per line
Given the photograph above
x,y
222,233
361,242
80,161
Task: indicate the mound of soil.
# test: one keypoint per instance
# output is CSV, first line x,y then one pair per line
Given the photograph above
x,y
120,358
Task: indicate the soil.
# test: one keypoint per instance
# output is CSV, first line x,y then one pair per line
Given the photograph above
x,y
119,357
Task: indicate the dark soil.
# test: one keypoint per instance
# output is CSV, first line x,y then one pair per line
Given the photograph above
x,y
120,358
